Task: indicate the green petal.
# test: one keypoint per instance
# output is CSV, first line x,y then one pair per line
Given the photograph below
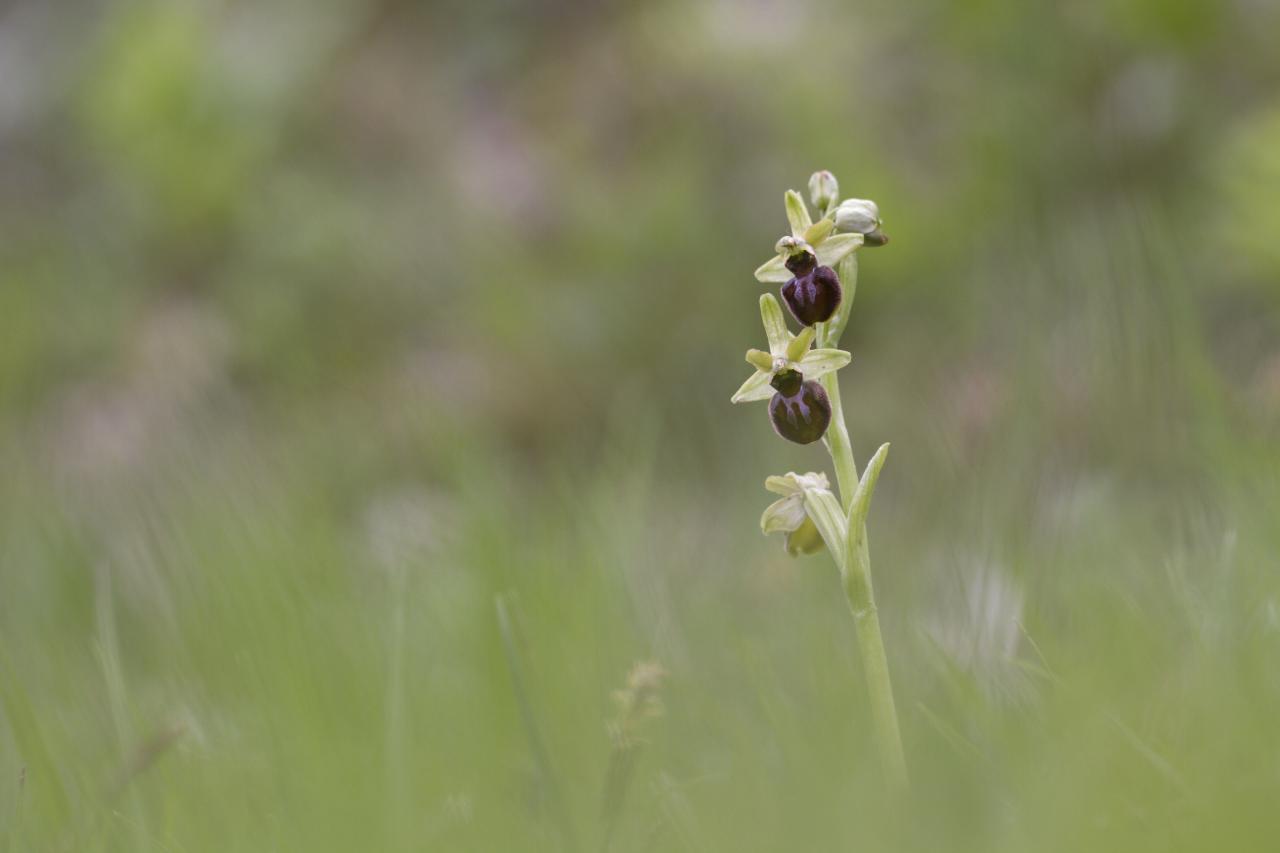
x,y
797,214
833,249
759,359
819,362
818,231
775,324
773,271
755,388
800,344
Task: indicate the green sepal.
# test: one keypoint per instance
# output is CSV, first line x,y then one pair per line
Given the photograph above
x,y
834,248
756,387
797,214
775,324
773,271
820,362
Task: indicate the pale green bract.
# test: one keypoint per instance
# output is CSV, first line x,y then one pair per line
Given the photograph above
x,y
861,503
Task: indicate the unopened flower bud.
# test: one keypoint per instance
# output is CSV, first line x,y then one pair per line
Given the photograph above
x,y
858,216
801,410
823,190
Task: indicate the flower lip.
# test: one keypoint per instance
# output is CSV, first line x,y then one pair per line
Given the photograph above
x,y
803,415
813,295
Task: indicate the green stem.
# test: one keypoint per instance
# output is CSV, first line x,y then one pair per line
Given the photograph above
x,y
875,665
838,444
855,563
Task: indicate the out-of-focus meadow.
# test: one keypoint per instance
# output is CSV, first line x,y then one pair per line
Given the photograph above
x,y
364,418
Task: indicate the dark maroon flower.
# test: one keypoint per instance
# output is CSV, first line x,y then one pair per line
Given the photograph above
x,y
800,411
813,295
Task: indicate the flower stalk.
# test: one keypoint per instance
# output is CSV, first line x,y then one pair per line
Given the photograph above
x,y
807,503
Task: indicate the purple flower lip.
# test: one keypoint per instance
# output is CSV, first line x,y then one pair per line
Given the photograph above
x,y
800,411
814,294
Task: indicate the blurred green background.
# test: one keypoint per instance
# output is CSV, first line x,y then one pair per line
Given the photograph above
x,y
364,380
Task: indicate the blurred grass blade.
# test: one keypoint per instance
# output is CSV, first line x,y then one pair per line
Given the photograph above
x,y
952,736
541,755
48,797
616,781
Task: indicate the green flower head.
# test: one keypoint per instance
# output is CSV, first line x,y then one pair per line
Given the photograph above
x,y
820,237
786,352
788,515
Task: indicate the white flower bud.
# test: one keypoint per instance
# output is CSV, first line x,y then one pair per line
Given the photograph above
x,y
857,215
823,190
